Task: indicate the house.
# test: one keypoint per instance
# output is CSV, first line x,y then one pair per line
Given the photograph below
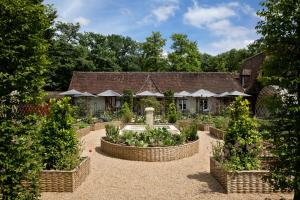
x,y
249,74
195,92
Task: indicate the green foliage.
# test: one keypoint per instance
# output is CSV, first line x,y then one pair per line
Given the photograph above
x,y
59,137
169,98
280,35
150,102
152,53
151,137
20,158
172,113
81,109
112,133
185,55
221,122
24,40
128,98
242,140
190,132
126,113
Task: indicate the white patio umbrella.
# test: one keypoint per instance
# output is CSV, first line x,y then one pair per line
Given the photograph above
x,y
146,94
70,93
182,94
203,93
85,94
159,94
109,93
237,93
224,94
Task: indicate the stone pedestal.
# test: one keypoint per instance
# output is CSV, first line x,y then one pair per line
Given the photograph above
x,y
149,116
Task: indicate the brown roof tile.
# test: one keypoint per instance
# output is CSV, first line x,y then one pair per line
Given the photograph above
x,y
96,82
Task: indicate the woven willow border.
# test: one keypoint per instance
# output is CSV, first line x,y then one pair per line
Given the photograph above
x,y
240,181
150,154
217,133
64,181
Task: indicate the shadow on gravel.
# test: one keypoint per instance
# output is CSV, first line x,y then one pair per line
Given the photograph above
x,y
209,184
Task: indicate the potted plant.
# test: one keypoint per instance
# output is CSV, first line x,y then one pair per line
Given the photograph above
x,y
64,170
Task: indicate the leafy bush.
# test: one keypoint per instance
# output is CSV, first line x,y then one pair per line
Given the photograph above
x,y
150,102
112,133
206,119
221,122
128,98
242,140
59,137
190,132
172,114
126,113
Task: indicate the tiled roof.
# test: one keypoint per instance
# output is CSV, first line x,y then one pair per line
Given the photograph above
x,y
96,82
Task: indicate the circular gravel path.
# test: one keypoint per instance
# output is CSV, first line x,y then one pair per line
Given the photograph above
x,y
187,179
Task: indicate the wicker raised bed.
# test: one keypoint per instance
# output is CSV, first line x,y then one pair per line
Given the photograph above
x,y
150,154
240,181
217,133
83,131
64,181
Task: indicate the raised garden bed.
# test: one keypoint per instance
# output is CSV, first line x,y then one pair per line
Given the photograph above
x,y
150,154
64,181
217,133
240,181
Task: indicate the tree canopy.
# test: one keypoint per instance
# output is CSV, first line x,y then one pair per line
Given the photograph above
x,y
280,32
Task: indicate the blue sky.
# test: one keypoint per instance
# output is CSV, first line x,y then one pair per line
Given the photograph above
x,y
216,25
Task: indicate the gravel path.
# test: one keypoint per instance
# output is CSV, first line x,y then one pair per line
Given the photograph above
x,y
188,178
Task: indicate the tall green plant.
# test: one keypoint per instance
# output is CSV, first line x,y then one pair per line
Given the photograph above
x,y
24,32
59,137
169,98
172,113
126,113
242,140
128,98
150,102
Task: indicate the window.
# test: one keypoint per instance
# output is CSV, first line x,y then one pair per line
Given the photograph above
x,y
182,104
202,105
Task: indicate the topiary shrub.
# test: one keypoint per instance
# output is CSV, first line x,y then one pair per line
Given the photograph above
x,y
126,113
172,113
242,140
59,137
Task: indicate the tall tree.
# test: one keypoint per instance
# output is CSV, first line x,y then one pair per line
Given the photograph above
x,y
24,36
67,55
185,55
280,30
152,53
100,52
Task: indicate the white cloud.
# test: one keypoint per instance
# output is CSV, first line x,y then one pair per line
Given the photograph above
x,y
162,13
218,21
82,21
202,16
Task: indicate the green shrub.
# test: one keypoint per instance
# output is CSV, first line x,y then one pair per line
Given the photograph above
x,y
59,137
242,140
128,98
126,113
150,102
221,122
172,114
112,133
129,138
190,132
